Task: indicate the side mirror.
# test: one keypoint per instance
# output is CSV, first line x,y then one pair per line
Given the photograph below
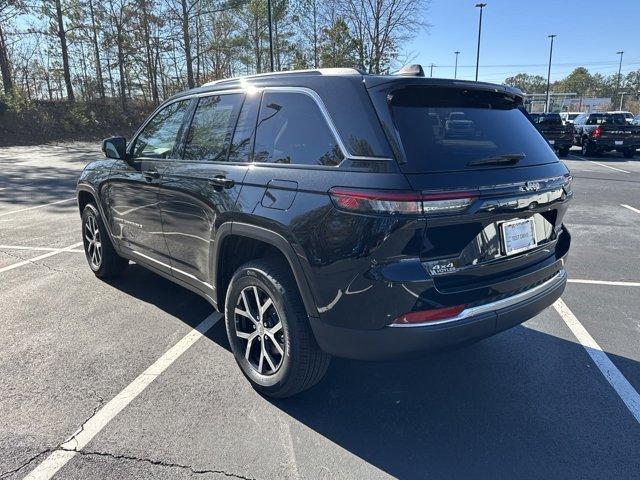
x,y
115,147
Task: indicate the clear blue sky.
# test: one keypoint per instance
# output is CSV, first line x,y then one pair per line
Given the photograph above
x,y
514,32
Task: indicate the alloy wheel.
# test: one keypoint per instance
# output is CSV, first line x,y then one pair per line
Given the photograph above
x,y
259,329
93,244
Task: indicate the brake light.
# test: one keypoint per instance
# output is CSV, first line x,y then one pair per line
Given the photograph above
x,y
596,132
400,202
426,316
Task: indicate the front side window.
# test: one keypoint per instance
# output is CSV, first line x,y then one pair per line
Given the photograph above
x,y
292,130
212,126
159,137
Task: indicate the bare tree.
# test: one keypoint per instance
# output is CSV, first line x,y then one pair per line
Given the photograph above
x,y
381,26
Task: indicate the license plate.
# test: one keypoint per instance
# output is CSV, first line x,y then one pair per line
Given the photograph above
x,y
552,142
518,236
619,142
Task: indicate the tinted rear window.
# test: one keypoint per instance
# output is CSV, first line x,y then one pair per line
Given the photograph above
x,y
547,119
444,129
602,118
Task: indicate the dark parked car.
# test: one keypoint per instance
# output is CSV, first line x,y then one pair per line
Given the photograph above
x,y
328,213
603,132
559,135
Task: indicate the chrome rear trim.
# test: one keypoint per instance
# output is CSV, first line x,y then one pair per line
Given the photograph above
x,y
493,306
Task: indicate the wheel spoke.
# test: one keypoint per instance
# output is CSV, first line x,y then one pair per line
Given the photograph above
x,y
261,362
255,292
275,343
248,350
268,357
245,335
265,306
276,328
245,315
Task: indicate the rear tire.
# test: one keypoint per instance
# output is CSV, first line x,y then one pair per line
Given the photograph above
x,y
587,149
628,153
563,152
271,338
101,256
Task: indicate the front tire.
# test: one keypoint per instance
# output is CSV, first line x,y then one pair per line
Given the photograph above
x,y
269,331
101,256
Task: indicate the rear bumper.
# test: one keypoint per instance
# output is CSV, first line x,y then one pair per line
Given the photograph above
x,y
609,143
471,324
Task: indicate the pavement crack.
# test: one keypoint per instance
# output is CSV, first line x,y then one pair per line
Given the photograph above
x,y
74,436
26,463
160,463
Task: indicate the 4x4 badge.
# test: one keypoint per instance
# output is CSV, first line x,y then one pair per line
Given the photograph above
x,y
530,186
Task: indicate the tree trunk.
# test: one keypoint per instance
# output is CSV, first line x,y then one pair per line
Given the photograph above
x,y
96,51
5,67
123,79
151,71
187,45
62,34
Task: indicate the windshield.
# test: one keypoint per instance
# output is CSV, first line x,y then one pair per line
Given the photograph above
x,y
447,129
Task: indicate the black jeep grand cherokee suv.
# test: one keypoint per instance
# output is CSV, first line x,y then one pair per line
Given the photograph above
x,y
332,213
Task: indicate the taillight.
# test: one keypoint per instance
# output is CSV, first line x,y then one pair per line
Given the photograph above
x,y
447,202
596,132
395,202
426,316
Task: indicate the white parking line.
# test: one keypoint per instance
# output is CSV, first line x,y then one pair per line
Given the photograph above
x,y
11,212
615,378
604,282
607,166
39,257
598,163
629,207
38,249
66,451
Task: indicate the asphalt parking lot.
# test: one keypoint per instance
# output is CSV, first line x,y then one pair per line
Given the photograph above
x,y
110,379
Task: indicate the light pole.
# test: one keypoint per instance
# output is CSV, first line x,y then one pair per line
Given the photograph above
x,y
481,7
619,73
270,34
546,104
431,70
455,71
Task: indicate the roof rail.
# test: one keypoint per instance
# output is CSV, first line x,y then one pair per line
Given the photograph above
x,y
316,71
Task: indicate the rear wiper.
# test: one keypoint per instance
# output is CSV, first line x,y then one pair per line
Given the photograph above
x,y
510,158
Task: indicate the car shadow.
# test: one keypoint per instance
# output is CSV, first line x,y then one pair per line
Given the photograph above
x,y
522,404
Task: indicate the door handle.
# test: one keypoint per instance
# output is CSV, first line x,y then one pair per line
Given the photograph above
x,y
221,181
151,174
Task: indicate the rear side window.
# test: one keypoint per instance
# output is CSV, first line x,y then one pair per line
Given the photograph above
x,y
159,136
211,128
292,130
446,129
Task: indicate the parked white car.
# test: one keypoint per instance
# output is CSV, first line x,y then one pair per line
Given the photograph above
x,y
569,117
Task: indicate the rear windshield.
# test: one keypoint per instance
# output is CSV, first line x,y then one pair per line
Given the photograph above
x,y
610,118
445,129
547,119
